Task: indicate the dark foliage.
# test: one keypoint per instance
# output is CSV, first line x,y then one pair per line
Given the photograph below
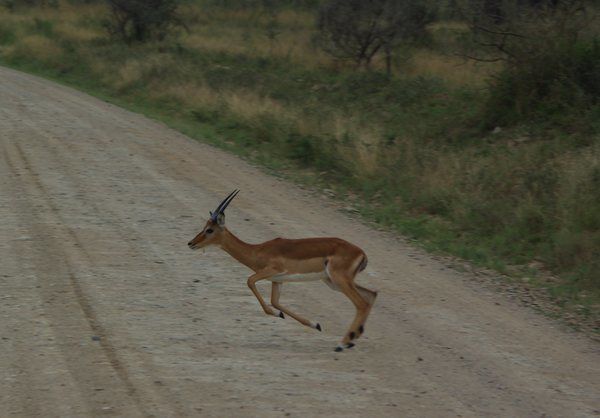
x,y
357,30
551,57
14,4
142,20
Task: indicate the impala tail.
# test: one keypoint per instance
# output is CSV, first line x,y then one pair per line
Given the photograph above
x,y
362,265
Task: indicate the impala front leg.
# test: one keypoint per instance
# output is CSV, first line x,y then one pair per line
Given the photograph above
x,y
275,293
261,275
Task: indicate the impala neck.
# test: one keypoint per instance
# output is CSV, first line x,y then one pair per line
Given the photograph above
x,y
242,251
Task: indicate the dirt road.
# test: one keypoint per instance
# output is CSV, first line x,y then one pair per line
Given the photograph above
x,y
104,311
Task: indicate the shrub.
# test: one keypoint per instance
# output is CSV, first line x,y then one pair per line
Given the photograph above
x,y
137,20
551,85
551,57
357,30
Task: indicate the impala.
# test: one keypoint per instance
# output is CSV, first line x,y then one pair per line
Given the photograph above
x,y
332,260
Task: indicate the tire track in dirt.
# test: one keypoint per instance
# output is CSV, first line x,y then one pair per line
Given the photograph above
x,y
58,150
27,174
126,234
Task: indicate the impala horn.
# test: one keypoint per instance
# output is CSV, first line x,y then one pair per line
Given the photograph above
x,y
223,205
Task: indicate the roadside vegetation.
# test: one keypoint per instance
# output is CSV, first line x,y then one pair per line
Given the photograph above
x,y
474,130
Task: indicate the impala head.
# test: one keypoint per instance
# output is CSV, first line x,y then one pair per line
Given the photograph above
x,y
211,234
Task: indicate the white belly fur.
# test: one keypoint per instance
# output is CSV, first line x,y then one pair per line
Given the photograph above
x,y
302,277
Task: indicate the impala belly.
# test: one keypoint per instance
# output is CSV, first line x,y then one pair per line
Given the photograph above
x,y
299,277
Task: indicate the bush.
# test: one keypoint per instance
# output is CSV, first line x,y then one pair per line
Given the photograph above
x,y
137,20
551,55
551,85
357,30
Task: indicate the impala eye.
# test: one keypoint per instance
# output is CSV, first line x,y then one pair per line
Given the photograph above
x,y
209,231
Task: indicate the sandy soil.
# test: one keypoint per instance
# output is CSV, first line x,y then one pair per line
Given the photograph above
x,y
104,311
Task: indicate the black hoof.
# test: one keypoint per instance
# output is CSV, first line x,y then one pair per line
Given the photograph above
x,y
350,345
319,327
281,315
338,349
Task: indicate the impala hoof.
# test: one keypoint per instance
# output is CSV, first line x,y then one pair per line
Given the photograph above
x,y
318,327
350,345
281,315
338,349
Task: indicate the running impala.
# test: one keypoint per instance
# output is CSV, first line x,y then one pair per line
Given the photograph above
x,y
332,260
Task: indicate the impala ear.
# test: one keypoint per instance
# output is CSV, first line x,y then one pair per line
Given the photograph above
x,y
221,219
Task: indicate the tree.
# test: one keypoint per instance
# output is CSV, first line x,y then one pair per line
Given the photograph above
x,y
358,29
142,20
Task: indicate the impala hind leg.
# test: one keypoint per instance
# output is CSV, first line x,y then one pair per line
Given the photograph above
x,y
275,293
367,294
362,304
